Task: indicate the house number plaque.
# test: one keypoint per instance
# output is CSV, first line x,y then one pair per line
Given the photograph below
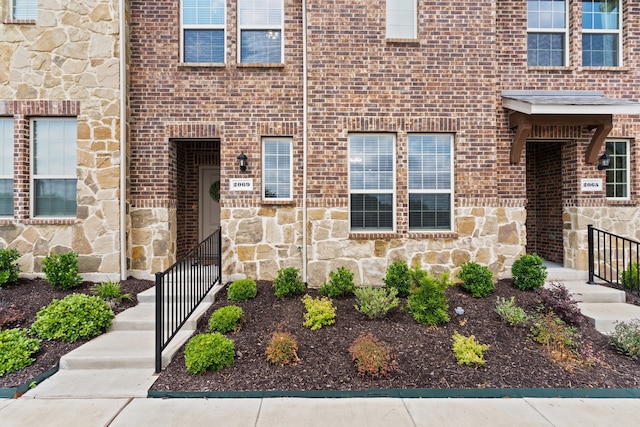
x,y
241,184
591,184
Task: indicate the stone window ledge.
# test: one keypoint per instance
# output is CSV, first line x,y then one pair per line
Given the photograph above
x,y
278,202
19,21
50,221
409,235
201,65
259,65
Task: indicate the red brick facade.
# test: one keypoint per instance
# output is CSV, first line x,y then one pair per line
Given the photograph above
x,y
448,80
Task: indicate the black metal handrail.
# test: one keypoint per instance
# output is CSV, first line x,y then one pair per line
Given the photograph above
x,y
183,286
614,259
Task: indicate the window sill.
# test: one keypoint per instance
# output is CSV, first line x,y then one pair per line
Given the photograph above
x,y
19,21
407,235
403,41
621,202
614,69
545,68
278,202
259,65
43,221
201,65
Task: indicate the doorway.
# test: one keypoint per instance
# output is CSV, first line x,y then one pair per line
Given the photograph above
x,y
209,215
544,200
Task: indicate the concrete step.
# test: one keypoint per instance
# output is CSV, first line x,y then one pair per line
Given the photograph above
x,y
149,296
584,292
122,350
142,318
605,316
95,384
556,273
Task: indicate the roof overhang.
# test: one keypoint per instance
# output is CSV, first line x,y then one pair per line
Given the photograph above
x,y
563,108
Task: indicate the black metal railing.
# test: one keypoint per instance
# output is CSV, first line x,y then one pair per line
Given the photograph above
x,y
614,259
182,287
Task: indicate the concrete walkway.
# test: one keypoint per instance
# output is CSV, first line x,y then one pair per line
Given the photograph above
x,y
101,385
291,412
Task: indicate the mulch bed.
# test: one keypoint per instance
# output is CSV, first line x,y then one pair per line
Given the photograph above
x,y
29,296
423,354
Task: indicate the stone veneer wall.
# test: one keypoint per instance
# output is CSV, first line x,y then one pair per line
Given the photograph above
x,y
66,63
268,239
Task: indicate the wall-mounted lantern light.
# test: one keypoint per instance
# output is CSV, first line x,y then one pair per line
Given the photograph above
x,y
603,161
242,162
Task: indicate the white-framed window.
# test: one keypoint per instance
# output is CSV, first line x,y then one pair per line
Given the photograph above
x,y
6,166
372,182
24,10
601,33
53,167
401,19
547,32
618,172
277,167
203,31
430,181
260,23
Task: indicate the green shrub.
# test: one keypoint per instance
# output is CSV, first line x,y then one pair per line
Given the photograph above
x,y
61,270
288,283
16,349
9,269
320,312
510,312
340,284
625,338
528,272
76,316
468,350
398,277
630,277
559,339
282,349
208,352
476,279
427,302
110,290
226,319
372,357
375,302
241,290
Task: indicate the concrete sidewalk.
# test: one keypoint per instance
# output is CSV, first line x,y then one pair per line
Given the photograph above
x,y
290,412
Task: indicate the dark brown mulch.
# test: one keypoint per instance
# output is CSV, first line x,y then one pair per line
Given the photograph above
x,y
29,296
423,354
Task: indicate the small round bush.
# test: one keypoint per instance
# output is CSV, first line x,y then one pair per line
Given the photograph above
x,y
375,302
208,352
340,284
476,279
399,277
241,290
529,272
16,348
288,283
282,349
61,270
9,269
630,277
76,316
625,338
226,319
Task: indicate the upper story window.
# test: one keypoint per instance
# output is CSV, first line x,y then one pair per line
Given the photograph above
x,y
430,182
260,24
24,10
277,168
203,28
54,147
6,166
617,181
401,19
372,182
601,38
547,38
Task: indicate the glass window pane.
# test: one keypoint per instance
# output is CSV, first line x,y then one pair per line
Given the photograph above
x,y
545,49
260,12
277,168
55,197
401,19
546,14
617,174
6,147
6,197
204,46
371,211
25,9
55,146
261,46
600,50
203,12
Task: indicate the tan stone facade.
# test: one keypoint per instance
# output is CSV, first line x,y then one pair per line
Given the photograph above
x,y
66,63
184,117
